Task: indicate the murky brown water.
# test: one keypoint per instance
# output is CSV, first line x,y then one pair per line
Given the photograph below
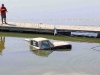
x,y
17,59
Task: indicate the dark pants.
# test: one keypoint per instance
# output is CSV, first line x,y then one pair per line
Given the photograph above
x,y
3,15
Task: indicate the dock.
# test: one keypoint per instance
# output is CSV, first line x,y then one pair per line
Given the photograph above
x,y
47,28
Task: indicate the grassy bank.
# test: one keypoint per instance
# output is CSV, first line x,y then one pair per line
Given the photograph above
x,y
60,37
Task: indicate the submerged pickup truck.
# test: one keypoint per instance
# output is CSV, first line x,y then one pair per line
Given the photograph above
x,y
44,44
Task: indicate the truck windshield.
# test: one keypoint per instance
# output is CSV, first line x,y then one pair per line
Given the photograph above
x,y
46,44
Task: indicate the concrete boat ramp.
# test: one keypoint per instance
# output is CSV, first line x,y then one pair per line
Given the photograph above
x,y
27,27
47,28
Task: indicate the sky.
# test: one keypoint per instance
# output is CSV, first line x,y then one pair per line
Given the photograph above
x,y
54,10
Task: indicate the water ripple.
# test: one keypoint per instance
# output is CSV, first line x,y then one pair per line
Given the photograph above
x,y
85,62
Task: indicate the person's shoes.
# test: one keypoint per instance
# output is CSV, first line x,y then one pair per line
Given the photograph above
x,y
6,23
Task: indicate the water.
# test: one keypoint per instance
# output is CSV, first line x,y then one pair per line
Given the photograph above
x,y
17,58
62,12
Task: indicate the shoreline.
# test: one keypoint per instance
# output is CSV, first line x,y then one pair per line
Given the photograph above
x,y
57,37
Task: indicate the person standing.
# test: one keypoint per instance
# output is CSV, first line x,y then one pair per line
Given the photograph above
x,y
3,11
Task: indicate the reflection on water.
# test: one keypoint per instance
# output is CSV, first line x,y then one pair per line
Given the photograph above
x,y
2,42
19,59
45,53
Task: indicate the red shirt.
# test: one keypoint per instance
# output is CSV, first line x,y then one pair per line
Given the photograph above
x,y
3,10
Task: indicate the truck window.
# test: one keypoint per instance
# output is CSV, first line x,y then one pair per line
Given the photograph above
x,y
34,43
46,44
